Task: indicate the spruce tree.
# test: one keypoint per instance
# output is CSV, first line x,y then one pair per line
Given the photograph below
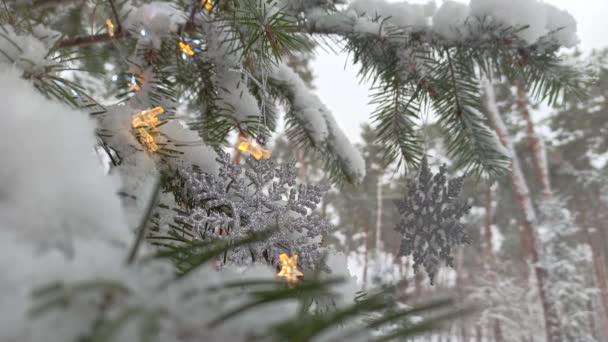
x,y
169,238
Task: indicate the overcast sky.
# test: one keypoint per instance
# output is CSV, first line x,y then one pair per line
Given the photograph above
x,y
336,77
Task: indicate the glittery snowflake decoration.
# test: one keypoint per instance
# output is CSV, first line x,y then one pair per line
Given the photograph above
x,y
256,197
430,219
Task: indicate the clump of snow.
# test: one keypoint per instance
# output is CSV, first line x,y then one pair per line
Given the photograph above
x,y
307,105
561,25
515,13
137,169
26,52
47,154
449,20
156,18
404,14
189,143
347,22
541,19
234,96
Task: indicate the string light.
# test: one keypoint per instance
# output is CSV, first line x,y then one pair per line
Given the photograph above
x,y
110,26
208,5
133,84
147,139
252,147
185,47
147,117
289,268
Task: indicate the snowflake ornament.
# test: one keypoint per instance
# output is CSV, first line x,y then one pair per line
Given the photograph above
x,y
254,198
430,219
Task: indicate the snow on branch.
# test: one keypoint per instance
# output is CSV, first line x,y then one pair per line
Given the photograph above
x,y
319,124
451,21
233,94
156,18
40,164
25,51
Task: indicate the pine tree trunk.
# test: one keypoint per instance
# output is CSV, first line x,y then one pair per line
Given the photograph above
x,y
522,193
498,332
599,266
490,264
418,277
601,223
365,257
490,260
464,334
535,143
478,333
591,318
378,211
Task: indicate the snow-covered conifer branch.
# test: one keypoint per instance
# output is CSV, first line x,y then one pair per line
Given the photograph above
x,y
401,40
383,35
307,114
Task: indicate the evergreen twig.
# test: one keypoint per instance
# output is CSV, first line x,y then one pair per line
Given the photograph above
x,y
143,224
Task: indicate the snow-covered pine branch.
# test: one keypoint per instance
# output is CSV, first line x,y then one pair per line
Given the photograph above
x,y
308,114
482,30
447,24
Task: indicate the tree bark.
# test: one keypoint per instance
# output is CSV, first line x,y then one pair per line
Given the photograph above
x,y
378,212
522,193
365,256
535,143
599,266
498,332
478,333
490,263
592,321
490,259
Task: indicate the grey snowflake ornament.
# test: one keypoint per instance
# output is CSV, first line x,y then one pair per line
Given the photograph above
x,y
430,219
253,198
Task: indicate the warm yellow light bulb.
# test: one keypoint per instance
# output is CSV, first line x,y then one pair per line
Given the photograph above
x,y
289,268
243,144
185,47
147,117
110,26
252,147
133,84
146,139
208,5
